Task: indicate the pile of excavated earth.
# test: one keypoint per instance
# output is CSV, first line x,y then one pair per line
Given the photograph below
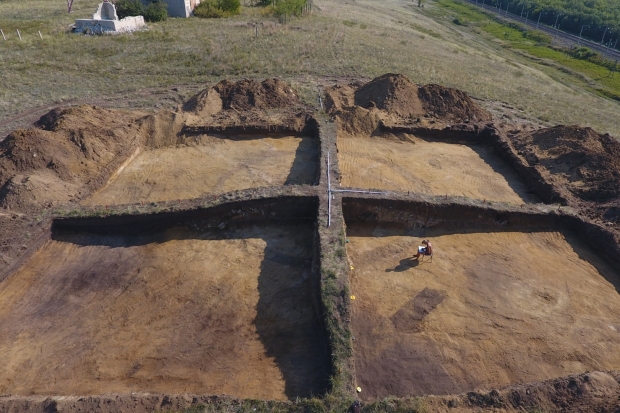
x,y
158,261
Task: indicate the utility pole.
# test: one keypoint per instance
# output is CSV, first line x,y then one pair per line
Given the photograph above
x,y
605,32
556,21
539,16
556,28
581,31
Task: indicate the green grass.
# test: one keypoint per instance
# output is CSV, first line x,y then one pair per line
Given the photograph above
x,y
602,80
422,43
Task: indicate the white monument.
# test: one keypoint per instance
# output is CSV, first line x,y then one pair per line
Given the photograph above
x,y
105,19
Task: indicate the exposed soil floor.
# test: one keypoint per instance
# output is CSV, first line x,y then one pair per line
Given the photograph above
x,y
214,165
430,168
218,313
490,310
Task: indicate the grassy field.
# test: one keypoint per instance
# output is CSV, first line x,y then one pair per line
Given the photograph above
x,y
364,38
596,77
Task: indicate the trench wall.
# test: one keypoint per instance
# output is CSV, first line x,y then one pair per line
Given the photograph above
x,y
233,214
309,128
421,215
468,134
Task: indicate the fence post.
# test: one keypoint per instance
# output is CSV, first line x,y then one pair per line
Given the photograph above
x,y
19,35
40,35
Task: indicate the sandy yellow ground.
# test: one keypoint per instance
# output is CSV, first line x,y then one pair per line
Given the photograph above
x,y
432,168
169,314
490,310
215,166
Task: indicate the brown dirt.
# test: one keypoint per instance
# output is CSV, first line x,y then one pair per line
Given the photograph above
x,y
451,104
65,156
120,315
394,99
585,163
490,310
394,94
583,166
212,165
244,95
203,312
407,163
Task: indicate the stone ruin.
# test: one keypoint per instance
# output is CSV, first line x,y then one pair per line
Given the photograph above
x,y
105,19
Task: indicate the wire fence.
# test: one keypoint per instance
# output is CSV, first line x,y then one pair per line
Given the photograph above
x,y
7,36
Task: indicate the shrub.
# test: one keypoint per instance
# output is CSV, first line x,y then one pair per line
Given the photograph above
x,y
583,53
156,11
208,9
217,8
538,36
291,7
229,6
126,8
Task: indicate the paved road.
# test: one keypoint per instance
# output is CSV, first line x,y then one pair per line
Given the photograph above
x,y
566,39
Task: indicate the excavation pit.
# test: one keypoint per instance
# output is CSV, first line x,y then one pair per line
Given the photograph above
x,y
493,308
189,309
212,164
411,164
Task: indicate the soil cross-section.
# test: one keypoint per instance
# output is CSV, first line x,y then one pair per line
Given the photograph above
x,y
491,309
227,312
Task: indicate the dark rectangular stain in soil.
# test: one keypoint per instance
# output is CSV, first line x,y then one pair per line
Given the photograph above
x,y
410,316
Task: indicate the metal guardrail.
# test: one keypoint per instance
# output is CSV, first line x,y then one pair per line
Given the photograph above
x,y
567,37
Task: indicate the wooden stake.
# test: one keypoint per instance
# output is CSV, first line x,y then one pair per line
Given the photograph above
x,y
329,194
40,34
3,36
19,35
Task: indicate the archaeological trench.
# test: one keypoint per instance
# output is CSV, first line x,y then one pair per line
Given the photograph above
x,y
249,252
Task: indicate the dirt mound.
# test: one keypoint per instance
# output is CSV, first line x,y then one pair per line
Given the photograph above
x,y
359,121
394,99
392,93
71,151
245,94
576,158
452,104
